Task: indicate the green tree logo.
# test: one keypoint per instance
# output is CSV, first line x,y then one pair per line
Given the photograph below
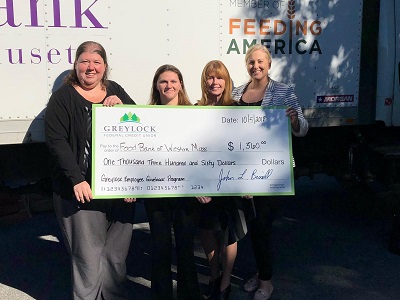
x,y
129,117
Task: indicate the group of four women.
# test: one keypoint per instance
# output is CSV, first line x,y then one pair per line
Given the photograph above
x,y
98,233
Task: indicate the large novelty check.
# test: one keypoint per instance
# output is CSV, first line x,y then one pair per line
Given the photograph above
x,y
168,151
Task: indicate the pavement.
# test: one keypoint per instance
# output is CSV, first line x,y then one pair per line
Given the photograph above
x,y
330,242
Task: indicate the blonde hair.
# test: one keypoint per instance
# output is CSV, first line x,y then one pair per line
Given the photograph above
x,y
256,47
219,70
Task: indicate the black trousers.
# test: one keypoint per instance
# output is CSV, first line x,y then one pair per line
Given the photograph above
x,y
181,214
260,228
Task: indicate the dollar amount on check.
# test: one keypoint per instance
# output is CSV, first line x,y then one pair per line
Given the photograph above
x,y
161,151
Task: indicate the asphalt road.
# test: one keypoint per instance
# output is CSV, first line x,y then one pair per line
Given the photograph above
x,y
330,242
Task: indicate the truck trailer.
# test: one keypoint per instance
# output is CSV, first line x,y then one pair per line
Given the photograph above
x,y
341,57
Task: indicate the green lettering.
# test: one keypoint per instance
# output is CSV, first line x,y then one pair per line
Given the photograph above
x,y
246,45
233,47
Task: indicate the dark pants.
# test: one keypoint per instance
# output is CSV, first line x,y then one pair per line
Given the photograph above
x,y
181,215
97,236
260,232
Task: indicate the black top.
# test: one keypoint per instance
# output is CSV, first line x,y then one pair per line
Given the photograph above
x,y
242,103
66,131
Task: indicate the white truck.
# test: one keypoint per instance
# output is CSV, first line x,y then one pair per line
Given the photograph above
x,y
328,50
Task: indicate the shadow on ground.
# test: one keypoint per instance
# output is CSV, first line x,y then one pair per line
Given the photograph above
x,y
330,242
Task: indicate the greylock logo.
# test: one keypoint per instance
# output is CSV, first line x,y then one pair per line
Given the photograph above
x,y
129,117
129,123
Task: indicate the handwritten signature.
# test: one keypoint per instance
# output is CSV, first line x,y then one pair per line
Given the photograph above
x,y
255,175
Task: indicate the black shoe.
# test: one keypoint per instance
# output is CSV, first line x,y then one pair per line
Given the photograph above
x,y
224,295
213,288
221,295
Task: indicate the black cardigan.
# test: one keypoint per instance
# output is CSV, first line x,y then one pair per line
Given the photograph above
x,y
66,135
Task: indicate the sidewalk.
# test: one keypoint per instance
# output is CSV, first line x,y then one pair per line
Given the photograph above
x,y
330,242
